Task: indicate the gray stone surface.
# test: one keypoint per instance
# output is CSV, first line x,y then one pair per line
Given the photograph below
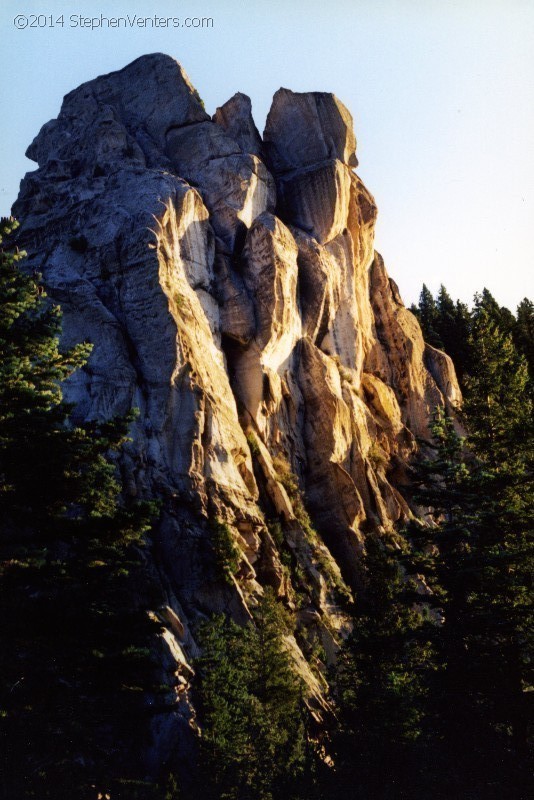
x,y
254,338
235,117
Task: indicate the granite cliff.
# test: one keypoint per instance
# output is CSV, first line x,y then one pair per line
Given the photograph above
x,y
231,291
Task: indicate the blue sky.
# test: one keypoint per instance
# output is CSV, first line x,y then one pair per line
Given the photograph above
x,y
441,93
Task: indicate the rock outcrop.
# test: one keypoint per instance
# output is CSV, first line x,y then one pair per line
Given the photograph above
x,y
231,291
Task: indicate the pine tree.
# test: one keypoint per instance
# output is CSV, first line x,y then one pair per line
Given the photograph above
x,y
75,636
485,300
497,405
428,316
381,682
452,327
478,560
281,731
446,325
524,334
228,707
459,346
500,315
444,302
446,310
253,741
499,414
449,326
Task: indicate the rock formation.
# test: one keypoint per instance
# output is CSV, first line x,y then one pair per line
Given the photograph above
x,y
231,292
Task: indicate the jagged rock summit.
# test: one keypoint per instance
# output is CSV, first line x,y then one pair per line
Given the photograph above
x,y
231,291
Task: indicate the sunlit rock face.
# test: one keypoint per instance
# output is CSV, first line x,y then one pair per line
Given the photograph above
x,y
231,291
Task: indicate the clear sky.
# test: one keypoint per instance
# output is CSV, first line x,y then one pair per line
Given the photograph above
x,y
442,94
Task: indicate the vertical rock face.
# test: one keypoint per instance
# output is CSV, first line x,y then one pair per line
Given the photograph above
x,y
232,294
235,117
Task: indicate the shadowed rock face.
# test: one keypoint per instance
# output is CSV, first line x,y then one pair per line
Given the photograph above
x,y
232,294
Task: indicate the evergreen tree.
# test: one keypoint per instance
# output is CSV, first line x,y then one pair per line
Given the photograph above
x,y
75,636
452,326
445,325
428,316
497,406
524,334
485,300
381,682
478,560
501,315
477,557
228,708
444,302
459,345
499,413
251,700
